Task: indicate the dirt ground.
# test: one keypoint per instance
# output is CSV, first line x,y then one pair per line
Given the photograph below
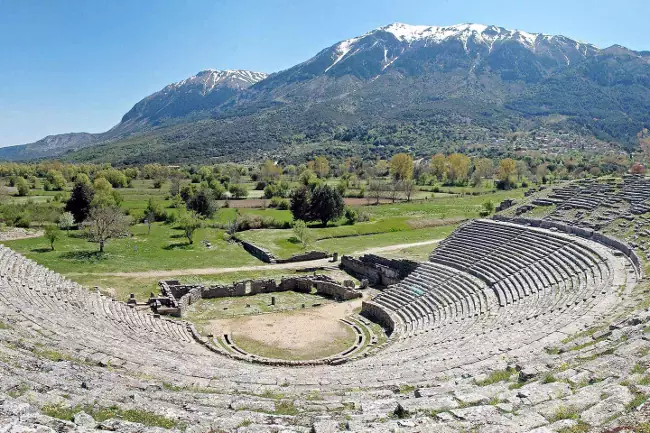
x,y
14,233
298,334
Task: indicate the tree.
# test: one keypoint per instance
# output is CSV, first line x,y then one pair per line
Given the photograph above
x,y
326,204
175,186
301,232
189,223
483,168
103,193
394,189
106,223
238,191
382,168
401,167
80,200
21,186
299,203
115,177
439,166
408,186
270,171
644,144
307,177
375,188
52,234
321,166
66,221
507,171
203,203
56,180
458,168
488,206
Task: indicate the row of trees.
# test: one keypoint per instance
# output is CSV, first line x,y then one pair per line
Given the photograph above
x,y
454,168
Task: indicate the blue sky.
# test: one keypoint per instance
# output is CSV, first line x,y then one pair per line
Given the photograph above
x,y
70,66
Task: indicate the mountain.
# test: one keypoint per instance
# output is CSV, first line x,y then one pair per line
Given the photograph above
x,y
50,145
398,87
204,91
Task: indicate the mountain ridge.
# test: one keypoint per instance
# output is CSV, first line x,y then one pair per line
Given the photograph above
x,y
391,74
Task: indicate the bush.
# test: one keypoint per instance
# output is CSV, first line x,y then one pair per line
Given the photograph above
x,y
363,217
24,221
276,189
255,222
279,203
22,186
203,203
351,216
238,191
260,185
154,211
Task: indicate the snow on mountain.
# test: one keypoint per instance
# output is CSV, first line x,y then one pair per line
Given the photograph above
x,y
201,92
409,36
211,78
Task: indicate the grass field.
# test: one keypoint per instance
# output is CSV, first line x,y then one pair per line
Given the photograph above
x,y
165,248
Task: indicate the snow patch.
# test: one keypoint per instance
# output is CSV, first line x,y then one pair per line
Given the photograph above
x,y
341,50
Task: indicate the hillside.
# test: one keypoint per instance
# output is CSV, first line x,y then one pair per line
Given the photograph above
x,y
398,87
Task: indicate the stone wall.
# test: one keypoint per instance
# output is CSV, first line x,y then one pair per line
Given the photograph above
x,y
259,252
189,298
378,314
505,204
190,294
304,257
361,270
336,291
586,233
378,270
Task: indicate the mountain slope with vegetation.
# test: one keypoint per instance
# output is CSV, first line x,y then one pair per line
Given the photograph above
x,y
396,88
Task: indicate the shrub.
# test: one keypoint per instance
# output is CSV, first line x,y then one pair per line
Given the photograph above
x,y
254,222
22,186
203,203
66,221
351,215
154,211
363,217
189,224
52,234
238,191
24,221
277,189
279,203
301,232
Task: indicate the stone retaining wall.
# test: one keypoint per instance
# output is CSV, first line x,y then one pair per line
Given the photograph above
x,y
269,257
378,270
305,257
191,293
378,314
259,252
581,232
